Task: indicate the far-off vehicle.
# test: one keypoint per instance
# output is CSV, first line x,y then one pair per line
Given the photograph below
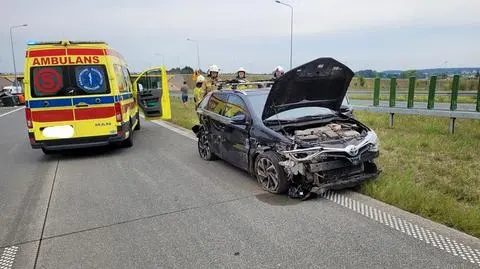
x,y
294,137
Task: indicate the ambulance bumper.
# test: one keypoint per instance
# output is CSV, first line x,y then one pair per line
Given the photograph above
x,y
75,143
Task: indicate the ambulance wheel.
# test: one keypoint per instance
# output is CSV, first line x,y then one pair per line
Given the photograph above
x,y
137,127
128,143
47,151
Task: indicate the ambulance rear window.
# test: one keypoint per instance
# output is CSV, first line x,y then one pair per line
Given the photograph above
x,y
68,80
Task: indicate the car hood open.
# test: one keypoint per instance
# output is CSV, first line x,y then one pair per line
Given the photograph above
x,y
322,82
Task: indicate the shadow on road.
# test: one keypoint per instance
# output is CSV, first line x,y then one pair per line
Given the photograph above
x,y
88,152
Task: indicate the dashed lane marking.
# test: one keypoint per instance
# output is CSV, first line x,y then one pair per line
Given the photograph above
x,y
8,257
10,112
411,229
418,232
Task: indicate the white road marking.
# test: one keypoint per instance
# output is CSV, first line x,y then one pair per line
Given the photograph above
x,y
408,228
8,257
10,112
411,229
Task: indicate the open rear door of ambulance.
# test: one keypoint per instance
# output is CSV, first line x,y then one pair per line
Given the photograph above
x,y
152,92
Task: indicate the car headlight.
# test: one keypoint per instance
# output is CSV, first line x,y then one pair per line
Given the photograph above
x,y
374,142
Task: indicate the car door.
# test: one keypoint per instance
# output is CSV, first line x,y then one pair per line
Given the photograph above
x,y
215,122
236,142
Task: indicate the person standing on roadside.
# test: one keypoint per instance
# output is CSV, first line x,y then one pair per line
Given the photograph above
x,y
199,92
184,90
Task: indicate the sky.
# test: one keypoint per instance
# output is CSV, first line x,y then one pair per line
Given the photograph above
x,y
255,34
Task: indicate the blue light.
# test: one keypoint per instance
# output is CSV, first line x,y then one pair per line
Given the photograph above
x,y
31,42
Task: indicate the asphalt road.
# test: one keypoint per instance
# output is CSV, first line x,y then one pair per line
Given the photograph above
x,y
158,205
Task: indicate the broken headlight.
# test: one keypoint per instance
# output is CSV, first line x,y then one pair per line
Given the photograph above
x,y
374,142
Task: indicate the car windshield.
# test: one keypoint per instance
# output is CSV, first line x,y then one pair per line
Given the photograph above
x,y
258,102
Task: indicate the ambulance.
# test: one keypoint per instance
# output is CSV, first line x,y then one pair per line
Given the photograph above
x,y
78,94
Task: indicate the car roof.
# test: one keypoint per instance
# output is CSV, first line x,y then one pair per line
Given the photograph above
x,y
261,91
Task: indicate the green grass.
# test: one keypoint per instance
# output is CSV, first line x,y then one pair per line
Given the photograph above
x,y
417,98
425,170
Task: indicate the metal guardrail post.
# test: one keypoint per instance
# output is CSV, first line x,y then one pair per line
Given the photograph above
x,y
393,91
454,97
451,125
411,92
431,92
478,96
376,92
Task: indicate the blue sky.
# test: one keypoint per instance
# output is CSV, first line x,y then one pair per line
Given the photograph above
x,y
367,34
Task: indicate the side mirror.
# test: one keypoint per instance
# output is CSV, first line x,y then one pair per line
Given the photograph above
x,y
239,119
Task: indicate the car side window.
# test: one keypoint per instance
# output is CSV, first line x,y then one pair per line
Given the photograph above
x,y
128,80
217,103
235,106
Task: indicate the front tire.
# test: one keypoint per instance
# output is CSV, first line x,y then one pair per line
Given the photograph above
x,y
204,149
270,174
137,127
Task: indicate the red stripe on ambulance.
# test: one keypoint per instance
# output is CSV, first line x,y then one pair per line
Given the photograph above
x,y
94,113
52,115
85,52
46,53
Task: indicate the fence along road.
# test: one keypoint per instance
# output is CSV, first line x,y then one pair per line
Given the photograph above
x,y
452,113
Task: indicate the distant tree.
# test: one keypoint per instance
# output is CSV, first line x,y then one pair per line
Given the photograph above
x,y
408,73
367,73
477,75
361,80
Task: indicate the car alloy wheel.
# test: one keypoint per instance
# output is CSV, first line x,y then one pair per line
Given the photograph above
x,y
203,147
267,174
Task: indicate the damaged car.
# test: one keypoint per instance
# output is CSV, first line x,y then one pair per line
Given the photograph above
x,y
292,137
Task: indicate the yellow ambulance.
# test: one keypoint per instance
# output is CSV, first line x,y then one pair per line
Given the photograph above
x,y
78,94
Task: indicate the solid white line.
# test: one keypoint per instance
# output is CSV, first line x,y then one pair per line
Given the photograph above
x,y
9,112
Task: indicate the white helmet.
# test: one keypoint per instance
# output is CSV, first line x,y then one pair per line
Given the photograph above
x,y
241,69
213,68
200,79
279,71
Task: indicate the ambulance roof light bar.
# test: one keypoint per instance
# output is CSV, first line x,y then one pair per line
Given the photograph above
x,y
65,42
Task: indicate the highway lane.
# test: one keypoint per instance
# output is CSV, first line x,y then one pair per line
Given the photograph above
x,y
158,205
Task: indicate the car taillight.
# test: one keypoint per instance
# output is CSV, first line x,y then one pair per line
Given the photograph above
x,y
28,116
118,112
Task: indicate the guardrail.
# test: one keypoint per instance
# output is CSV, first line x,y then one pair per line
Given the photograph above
x,y
452,113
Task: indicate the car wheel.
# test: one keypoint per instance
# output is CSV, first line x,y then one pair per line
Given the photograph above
x,y
128,143
137,127
204,149
270,174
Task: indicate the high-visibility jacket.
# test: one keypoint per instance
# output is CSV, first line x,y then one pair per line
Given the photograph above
x,y
198,94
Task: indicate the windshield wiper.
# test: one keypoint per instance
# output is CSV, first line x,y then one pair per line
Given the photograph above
x,y
277,121
315,117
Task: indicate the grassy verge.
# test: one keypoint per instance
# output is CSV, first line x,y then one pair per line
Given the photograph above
x,y
426,170
417,98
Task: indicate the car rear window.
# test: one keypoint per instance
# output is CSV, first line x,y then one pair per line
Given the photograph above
x,y
68,80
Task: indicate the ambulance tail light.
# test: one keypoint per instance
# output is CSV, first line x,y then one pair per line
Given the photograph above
x,y
28,116
118,112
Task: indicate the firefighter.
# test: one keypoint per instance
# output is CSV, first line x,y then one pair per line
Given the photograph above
x,y
278,72
242,75
199,91
212,78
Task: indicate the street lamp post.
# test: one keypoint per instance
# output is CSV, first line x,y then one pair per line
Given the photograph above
x,y
13,53
291,29
163,57
198,51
